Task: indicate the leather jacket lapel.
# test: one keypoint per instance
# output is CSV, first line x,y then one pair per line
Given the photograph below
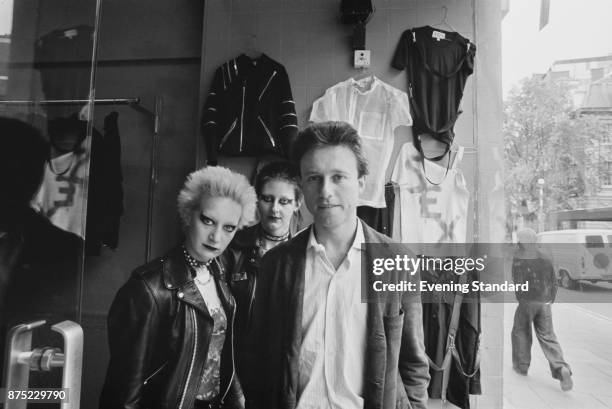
x,y
178,276
189,293
175,270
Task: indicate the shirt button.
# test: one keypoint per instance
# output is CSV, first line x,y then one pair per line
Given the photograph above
x,y
168,285
180,295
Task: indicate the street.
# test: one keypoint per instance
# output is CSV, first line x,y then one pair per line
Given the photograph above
x,y
585,332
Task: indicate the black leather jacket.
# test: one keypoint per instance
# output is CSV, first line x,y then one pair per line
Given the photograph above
x,y
159,331
249,110
242,264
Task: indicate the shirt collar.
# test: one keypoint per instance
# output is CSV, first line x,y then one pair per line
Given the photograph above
x,y
359,237
357,242
364,85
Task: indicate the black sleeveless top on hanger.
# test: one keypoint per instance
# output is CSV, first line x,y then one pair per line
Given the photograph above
x,y
437,71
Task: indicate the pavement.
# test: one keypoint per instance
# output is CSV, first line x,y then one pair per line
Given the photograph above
x,y
586,339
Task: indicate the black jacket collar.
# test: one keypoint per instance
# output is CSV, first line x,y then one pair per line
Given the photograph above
x,y
245,238
178,276
176,271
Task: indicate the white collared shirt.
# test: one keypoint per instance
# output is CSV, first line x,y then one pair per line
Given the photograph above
x,y
375,109
332,351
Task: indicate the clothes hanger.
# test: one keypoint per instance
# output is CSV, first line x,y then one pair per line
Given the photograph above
x,y
251,49
444,25
363,73
71,33
364,80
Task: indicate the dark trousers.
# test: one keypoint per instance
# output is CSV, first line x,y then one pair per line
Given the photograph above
x,y
540,315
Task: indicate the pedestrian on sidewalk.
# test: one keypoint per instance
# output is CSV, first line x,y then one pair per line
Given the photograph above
x,y
530,265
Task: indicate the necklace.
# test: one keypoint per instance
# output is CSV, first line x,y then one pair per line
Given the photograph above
x,y
260,245
203,282
193,262
272,237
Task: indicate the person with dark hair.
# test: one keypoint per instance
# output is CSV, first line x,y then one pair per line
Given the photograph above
x,y
39,262
315,343
533,267
170,327
331,133
279,197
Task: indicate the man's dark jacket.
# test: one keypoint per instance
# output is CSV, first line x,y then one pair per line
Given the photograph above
x,y
159,331
396,368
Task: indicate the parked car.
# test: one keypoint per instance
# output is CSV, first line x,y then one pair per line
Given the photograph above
x,y
579,254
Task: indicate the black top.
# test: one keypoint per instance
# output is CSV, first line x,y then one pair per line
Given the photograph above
x,y
437,71
437,315
540,275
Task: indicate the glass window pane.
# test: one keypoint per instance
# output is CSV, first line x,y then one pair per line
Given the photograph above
x,y
46,60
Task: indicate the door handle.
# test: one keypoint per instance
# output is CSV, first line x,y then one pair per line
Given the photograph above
x,y
21,359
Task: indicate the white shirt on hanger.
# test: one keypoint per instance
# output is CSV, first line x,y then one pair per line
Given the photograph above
x,y
375,109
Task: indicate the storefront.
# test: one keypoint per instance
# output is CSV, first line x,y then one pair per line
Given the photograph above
x,y
148,69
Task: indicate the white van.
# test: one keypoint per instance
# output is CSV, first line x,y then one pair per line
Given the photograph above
x,y
579,254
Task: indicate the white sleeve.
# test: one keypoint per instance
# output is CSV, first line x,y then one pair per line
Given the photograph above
x,y
321,109
401,111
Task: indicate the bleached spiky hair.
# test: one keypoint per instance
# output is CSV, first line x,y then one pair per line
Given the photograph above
x,y
216,181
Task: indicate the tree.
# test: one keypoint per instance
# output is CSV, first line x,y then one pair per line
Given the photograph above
x,y
544,139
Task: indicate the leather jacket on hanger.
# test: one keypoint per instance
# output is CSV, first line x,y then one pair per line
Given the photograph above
x,y
249,110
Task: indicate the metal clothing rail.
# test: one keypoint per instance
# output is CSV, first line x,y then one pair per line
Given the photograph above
x,y
134,103
106,101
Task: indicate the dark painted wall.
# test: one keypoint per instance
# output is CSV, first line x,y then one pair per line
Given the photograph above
x,y
307,38
152,48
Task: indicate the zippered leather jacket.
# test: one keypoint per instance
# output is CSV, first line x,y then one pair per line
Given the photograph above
x,y
159,330
249,110
242,260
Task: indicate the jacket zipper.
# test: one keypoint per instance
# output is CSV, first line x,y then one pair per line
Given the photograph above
x,y
227,134
242,117
195,344
251,302
267,131
229,385
267,84
154,373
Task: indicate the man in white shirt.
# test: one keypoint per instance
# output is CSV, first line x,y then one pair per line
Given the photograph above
x,y
315,343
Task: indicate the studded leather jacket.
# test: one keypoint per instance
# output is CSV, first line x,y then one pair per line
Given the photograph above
x,y
159,331
249,110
